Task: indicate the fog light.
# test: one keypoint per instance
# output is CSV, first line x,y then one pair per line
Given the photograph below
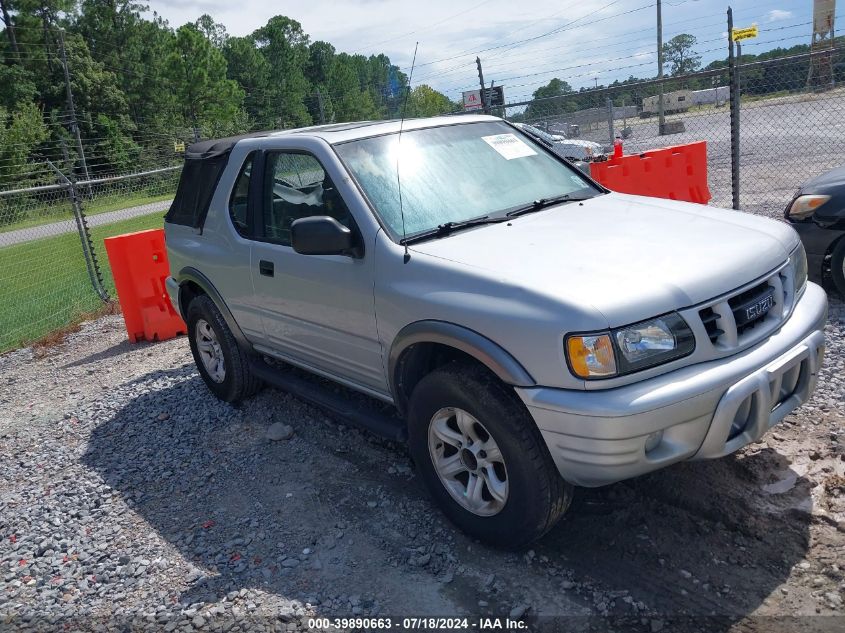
x,y
653,440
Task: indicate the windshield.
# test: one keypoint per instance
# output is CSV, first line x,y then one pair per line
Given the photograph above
x,y
456,173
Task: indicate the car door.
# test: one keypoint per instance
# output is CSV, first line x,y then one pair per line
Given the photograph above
x,y
317,310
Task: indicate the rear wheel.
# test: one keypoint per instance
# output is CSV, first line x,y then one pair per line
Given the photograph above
x,y
837,267
482,457
223,365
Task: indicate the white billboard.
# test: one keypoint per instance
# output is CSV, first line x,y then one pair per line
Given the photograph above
x,y
472,100
823,12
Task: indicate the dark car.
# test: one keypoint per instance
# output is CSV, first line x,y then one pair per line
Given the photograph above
x,y
817,212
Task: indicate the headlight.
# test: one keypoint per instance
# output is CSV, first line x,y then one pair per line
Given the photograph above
x,y
629,349
798,262
591,356
804,206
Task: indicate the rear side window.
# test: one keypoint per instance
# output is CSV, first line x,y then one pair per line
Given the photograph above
x,y
196,188
238,203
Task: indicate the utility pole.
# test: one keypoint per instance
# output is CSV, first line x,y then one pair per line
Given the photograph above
x,y
74,126
661,116
320,103
733,65
484,105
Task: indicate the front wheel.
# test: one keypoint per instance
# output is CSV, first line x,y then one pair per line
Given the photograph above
x,y
223,365
482,457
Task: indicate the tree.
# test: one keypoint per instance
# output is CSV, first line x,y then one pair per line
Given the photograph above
x,y
18,86
284,46
426,101
552,99
213,31
348,100
135,50
555,88
6,8
114,146
198,83
318,72
248,67
679,53
21,130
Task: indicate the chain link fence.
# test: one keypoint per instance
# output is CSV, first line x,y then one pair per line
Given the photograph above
x,y
696,108
53,266
769,126
791,126
789,123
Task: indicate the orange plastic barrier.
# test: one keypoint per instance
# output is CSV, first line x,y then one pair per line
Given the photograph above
x,y
139,267
677,173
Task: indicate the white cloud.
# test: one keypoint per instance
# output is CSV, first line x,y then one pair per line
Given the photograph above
x,y
778,14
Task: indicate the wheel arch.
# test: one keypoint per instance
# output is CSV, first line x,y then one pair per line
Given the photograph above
x,y
424,345
193,283
833,244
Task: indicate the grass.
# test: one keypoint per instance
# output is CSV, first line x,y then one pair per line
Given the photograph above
x,y
62,210
44,284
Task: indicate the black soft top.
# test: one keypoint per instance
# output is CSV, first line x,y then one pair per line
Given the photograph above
x,y
214,148
204,163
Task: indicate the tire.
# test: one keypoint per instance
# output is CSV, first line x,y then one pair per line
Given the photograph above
x,y
231,378
535,495
837,267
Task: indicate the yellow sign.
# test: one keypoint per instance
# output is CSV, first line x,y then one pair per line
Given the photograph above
x,y
744,34
179,146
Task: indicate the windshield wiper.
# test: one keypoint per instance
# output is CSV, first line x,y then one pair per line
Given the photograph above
x,y
448,228
542,203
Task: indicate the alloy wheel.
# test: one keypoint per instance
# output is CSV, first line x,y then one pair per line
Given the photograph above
x,y
468,461
210,351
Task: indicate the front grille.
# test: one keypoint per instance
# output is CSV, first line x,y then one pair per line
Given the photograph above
x,y
748,315
752,306
709,319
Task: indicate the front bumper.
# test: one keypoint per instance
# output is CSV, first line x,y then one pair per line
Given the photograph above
x,y
703,411
172,287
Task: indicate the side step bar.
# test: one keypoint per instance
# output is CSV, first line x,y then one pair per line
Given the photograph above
x,y
376,422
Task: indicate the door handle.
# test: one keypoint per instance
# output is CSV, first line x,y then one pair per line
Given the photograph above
x,y
265,268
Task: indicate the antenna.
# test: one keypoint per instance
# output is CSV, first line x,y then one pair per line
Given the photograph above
x,y
407,257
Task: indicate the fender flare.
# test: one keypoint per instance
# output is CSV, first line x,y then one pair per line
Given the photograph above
x,y
487,352
189,273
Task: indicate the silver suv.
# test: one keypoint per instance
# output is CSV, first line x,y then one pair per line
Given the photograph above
x,y
533,330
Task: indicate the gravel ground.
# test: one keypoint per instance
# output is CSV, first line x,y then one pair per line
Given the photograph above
x,y
131,499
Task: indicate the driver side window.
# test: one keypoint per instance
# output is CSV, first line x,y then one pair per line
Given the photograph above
x,y
297,186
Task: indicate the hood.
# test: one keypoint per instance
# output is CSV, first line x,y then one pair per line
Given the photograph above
x,y
629,257
831,214
833,179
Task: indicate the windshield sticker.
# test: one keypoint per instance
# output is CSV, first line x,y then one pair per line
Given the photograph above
x,y
509,146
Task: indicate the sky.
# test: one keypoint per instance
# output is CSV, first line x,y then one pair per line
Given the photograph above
x,y
522,45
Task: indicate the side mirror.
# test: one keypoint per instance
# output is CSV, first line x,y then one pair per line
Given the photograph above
x,y
320,235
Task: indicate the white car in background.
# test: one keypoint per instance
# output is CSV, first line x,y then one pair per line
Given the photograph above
x,y
571,148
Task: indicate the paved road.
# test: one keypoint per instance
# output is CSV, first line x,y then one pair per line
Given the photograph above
x,y
69,226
